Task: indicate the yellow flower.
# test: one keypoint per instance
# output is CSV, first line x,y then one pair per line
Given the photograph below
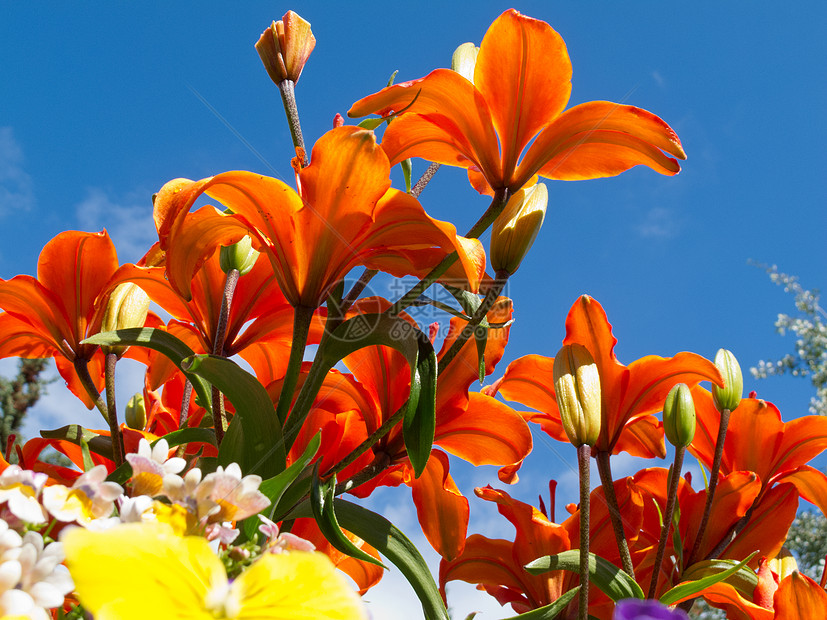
x,y
143,570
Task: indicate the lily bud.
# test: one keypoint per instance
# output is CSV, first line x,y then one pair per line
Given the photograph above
x,y
464,60
728,397
285,47
783,564
679,416
240,255
135,414
128,307
577,385
516,228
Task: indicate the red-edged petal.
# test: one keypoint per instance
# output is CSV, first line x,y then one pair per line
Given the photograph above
x,y
524,73
442,509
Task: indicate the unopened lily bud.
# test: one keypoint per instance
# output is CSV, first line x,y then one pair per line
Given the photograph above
x,y
516,228
783,564
577,386
135,414
679,416
240,255
464,60
728,397
128,307
285,47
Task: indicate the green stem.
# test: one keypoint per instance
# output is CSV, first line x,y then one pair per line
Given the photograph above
x,y
288,96
583,461
713,482
112,409
302,318
82,371
490,297
494,209
605,470
671,495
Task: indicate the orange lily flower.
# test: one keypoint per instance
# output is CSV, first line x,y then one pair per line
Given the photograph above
x,y
630,394
785,447
50,315
345,214
521,85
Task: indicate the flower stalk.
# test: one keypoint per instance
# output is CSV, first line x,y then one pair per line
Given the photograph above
x,y
219,412
605,470
583,461
112,409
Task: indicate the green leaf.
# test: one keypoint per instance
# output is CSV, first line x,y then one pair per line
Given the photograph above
x,y
88,463
256,442
274,488
78,435
745,580
394,545
683,590
188,435
163,342
366,330
371,123
549,611
612,581
407,170
323,506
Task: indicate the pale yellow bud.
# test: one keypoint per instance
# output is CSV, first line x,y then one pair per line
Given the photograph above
x,y
728,397
128,307
783,564
464,60
239,256
577,388
135,414
285,47
516,228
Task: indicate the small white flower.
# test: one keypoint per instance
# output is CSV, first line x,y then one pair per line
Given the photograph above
x,y
235,497
20,489
90,498
151,465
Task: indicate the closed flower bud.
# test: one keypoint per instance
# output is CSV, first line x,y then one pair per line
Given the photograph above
x,y
577,385
679,416
728,397
128,307
464,60
783,564
285,47
516,228
239,256
135,414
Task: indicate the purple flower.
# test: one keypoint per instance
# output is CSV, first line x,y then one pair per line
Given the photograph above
x,y
635,609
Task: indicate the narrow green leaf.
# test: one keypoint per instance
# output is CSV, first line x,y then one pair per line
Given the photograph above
x,y
163,342
481,338
419,424
682,590
323,506
371,123
549,611
745,580
393,77
407,171
275,487
78,435
188,435
612,581
88,463
256,443
394,545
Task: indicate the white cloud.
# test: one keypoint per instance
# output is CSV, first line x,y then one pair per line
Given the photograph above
x,y
128,220
15,183
659,223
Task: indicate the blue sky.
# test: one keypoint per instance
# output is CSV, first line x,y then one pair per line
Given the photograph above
x,y
104,102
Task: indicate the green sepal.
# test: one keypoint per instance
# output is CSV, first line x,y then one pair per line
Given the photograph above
x,y
551,610
321,502
388,540
256,442
163,342
683,590
612,581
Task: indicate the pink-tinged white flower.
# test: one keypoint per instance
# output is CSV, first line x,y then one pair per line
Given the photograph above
x,y
225,496
89,498
32,579
280,542
150,465
182,490
136,509
20,490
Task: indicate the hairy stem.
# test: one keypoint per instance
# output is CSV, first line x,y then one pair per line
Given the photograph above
x,y
288,96
219,412
671,495
82,371
112,409
605,470
583,460
713,481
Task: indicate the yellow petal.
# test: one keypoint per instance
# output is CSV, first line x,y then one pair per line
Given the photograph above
x,y
295,586
143,570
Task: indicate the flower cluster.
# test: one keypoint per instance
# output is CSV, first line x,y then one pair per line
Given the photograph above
x,y
224,493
